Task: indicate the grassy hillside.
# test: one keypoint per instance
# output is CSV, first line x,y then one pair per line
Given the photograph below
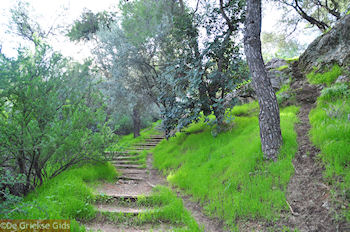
x,y
331,133
227,173
65,197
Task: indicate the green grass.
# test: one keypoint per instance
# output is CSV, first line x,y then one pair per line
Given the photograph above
x,y
126,141
291,60
227,174
66,196
164,206
331,133
249,109
281,68
325,78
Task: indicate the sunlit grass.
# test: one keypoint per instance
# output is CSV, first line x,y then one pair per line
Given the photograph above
x,y
227,174
325,78
331,133
67,196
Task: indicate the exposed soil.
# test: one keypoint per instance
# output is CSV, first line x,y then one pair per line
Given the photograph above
x,y
209,224
308,196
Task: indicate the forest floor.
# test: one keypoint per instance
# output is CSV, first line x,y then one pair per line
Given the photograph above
x,y
138,182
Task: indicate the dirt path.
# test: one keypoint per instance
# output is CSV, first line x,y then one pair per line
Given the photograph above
x,y
136,180
307,194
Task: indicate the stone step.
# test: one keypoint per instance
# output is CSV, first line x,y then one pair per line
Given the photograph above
x,y
140,148
121,209
110,227
128,166
146,144
125,161
126,157
125,177
120,153
131,171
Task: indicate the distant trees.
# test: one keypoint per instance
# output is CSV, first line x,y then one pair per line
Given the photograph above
x,y
276,45
269,117
154,47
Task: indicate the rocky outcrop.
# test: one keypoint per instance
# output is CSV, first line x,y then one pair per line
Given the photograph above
x,y
279,73
331,47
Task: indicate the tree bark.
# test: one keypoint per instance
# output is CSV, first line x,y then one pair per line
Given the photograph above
x,y
136,117
269,117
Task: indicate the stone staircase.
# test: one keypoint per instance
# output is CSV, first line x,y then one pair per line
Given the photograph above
x,y
117,203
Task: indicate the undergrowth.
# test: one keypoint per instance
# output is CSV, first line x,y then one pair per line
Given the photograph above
x,y
66,196
325,78
330,131
227,174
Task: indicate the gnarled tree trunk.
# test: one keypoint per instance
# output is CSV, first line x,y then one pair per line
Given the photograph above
x,y
269,117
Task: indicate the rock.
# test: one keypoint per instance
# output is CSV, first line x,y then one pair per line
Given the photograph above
x,y
279,78
307,93
342,79
275,63
329,48
245,94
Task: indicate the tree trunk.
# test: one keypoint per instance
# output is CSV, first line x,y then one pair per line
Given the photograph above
x,y
269,117
136,118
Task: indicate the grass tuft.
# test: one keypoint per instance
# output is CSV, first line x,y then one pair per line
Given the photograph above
x,y
324,78
331,133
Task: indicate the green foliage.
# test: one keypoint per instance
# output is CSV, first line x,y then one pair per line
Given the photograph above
x,y
88,24
198,81
331,133
324,78
52,116
228,176
249,109
66,196
7,181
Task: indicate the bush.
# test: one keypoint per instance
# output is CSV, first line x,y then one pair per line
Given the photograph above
x,y
51,116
